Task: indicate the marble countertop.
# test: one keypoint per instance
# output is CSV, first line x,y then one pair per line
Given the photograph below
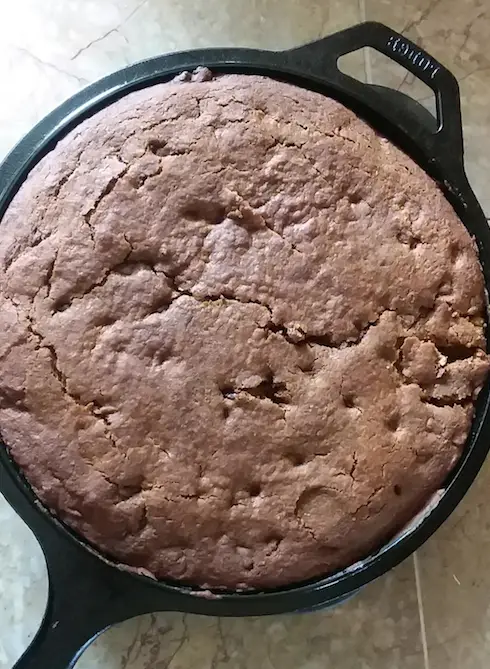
x,y
434,609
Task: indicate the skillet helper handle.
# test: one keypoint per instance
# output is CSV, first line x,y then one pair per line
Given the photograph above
x,y
84,598
320,60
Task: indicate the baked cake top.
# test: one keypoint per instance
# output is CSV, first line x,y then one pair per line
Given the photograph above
x,y
241,334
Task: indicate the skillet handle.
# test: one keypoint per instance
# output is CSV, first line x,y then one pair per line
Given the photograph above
x,y
69,625
85,597
442,141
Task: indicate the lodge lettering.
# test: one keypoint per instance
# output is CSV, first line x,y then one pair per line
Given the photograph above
x,y
418,58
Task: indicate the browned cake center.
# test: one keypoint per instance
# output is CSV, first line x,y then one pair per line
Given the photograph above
x,y
241,333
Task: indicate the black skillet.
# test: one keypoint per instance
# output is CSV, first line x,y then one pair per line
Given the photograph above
x,y
88,593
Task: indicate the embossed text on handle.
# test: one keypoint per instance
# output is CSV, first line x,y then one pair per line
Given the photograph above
x,y
412,54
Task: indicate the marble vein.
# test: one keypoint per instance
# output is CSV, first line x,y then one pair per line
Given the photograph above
x,y
112,31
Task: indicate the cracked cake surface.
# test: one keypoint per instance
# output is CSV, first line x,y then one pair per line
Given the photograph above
x,y
242,333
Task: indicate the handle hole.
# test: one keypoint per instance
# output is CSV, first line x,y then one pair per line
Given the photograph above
x,y
354,65
380,70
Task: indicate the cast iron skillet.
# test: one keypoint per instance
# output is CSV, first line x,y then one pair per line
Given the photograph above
x,y
86,592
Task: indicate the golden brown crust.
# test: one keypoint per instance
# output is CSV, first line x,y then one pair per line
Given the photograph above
x,y
242,333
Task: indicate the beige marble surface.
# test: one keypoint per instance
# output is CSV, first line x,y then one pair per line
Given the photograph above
x,y
432,612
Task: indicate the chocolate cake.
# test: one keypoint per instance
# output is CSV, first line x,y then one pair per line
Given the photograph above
x,y
242,333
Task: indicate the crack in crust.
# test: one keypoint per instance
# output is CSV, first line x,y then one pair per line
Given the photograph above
x,y
93,407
